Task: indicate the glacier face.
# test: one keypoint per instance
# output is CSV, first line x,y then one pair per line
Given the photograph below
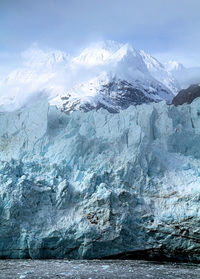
x,y
93,185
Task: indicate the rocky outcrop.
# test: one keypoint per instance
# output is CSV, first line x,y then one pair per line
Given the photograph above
x,y
114,96
187,95
96,185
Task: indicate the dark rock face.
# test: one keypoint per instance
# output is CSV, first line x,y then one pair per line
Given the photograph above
x,y
126,95
116,96
187,95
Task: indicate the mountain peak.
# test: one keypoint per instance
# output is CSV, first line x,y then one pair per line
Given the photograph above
x,y
103,52
174,65
119,76
105,72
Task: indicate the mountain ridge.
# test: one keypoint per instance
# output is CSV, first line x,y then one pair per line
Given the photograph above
x,y
129,73
185,76
84,80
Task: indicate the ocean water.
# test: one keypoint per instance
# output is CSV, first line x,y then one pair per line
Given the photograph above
x,y
93,269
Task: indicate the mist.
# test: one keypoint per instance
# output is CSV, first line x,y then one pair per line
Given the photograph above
x,y
167,28
39,39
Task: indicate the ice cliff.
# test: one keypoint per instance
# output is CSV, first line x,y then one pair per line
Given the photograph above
x,y
96,184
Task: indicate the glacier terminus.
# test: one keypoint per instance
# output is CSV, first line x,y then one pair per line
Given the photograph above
x,y
97,184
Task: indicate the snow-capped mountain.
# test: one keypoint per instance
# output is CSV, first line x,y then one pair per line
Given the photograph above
x,y
160,72
122,76
185,76
173,66
106,74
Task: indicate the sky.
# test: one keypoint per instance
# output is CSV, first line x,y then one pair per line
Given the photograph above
x,y
168,29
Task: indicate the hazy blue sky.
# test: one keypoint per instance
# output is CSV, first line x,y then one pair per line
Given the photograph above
x,y
165,28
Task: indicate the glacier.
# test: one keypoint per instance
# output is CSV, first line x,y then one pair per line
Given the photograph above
x,y
97,185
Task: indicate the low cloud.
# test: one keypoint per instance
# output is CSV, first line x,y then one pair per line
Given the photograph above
x,y
155,26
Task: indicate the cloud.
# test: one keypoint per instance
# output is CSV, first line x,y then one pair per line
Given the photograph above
x,y
155,26
47,72
41,72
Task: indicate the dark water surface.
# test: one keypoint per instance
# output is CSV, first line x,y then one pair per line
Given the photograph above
x,y
55,269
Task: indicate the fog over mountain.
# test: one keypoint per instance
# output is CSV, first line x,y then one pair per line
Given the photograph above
x,y
55,32
166,29
87,76
185,76
106,73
